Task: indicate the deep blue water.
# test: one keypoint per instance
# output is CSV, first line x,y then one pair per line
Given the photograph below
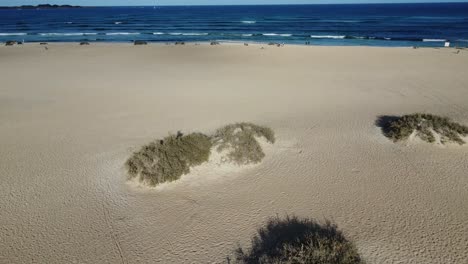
x,y
365,24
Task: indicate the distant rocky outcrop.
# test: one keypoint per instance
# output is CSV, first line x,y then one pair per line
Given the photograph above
x,y
42,6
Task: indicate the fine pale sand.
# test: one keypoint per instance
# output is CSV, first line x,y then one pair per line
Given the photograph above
x,y
71,115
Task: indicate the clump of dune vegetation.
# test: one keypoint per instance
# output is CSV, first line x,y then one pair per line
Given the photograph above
x,y
426,126
168,159
240,142
298,241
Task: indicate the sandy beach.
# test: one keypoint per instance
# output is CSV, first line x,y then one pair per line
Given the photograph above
x,y
71,115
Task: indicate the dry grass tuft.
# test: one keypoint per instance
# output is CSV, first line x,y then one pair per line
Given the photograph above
x,y
426,127
299,241
240,140
168,159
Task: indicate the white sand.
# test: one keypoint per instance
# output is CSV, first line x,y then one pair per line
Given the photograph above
x,y
71,115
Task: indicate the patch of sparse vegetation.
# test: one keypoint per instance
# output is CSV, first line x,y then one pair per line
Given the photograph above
x,y
240,140
299,241
426,126
11,43
140,42
168,159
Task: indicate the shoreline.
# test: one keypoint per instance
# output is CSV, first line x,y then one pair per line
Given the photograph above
x,y
224,43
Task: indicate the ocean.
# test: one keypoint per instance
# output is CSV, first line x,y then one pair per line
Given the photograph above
x,y
351,24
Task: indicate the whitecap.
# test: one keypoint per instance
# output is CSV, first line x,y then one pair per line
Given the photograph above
x,y
433,40
67,34
275,34
122,33
194,34
13,34
249,22
327,37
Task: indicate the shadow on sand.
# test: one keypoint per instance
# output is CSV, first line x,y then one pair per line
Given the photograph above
x,y
295,240
384,122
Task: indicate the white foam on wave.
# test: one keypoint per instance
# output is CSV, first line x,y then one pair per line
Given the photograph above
x,y
434,40
117,22
67,34
188,34
13,34
122,33
158,33
249,22
276,35
247,35
327,37
194,34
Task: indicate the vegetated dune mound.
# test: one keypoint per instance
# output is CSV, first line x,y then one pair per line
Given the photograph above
x,y
428,127
166,160
299,241
240,142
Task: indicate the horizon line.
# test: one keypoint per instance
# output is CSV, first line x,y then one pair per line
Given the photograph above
x,y
164,5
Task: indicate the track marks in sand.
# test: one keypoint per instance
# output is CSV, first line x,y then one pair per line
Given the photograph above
x,y
435,96
113,235
108,220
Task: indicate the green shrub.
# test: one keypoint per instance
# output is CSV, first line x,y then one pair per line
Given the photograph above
x,y
240,141
168,159
299,241
425,125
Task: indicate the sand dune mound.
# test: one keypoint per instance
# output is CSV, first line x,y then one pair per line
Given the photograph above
x,y
299,241
240,141
166,160
427,127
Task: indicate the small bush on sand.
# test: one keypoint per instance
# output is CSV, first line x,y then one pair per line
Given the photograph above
x,y
140,42
299,241
426,127
168,159
240,141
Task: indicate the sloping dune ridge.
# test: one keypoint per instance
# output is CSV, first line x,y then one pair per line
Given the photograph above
x,y
70,116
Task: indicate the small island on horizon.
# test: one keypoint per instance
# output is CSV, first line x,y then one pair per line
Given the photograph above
x,y
40,6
